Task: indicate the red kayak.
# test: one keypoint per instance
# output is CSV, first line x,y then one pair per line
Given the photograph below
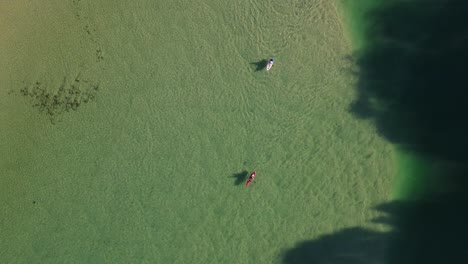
x,y
251,178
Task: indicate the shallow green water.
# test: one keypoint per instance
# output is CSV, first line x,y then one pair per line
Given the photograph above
x,y
142,171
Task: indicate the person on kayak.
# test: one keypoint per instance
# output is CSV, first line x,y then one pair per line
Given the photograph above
x,y
251,178
270,63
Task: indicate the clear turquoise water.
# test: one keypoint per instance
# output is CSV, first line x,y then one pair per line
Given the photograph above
x,y
142,171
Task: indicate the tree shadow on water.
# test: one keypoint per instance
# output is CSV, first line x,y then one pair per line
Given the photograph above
x,y
411,78
429,231
412,83
260,65
350,246
240,177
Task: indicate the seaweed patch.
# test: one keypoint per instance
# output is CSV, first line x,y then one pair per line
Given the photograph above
x,y
69,96
89,27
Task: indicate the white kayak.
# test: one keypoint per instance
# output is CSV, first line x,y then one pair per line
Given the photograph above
x,y
270,64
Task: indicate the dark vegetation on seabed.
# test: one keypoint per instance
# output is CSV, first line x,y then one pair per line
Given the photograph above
x,y
53,102
412,82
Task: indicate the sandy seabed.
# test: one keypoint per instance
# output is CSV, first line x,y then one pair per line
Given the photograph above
x,y
127,130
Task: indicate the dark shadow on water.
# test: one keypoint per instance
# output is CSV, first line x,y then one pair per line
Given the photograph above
x,y
413,84
240,177
260,65
349,246
429,231
412,76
